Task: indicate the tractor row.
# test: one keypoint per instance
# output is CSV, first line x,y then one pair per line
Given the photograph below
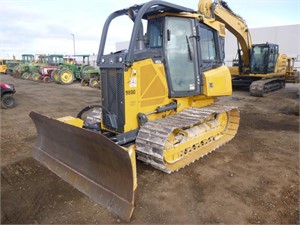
x,y
57,68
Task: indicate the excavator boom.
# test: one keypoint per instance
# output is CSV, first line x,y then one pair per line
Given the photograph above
x,y
233,22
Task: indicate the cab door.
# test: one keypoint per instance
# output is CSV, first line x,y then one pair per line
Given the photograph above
x,y
181,57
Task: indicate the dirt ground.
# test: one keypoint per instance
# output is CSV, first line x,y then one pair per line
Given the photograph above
x,y
252,179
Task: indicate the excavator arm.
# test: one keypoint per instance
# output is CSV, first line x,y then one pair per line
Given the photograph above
x,y
261,66
233,22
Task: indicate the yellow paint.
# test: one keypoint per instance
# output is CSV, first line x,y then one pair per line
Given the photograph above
x,y
217,82
176,152
66,76
206,139
234,70
72,121
2,66
131,152
146,88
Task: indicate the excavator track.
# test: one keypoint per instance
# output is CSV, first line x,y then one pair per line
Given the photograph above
x,y
264,87
171,143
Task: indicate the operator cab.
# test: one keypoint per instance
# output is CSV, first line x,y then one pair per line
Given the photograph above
x,y
55,60
189,48
177,45
264,57
26,58
186,46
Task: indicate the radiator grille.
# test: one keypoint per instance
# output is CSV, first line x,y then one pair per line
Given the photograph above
x,y
112,88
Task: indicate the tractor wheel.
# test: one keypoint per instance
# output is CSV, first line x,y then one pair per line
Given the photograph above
x,y
47,79
94,82
84,82
8,101
25,76
54,75
65,76
36,77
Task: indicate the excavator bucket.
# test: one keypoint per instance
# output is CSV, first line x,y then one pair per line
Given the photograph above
x,y
89,161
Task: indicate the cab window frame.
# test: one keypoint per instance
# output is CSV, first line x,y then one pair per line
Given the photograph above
x,y
217,61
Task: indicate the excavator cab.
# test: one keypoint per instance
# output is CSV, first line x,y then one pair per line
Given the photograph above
x,y
264,58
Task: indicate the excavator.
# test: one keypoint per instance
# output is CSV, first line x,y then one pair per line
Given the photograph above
x,y
259,66
157,105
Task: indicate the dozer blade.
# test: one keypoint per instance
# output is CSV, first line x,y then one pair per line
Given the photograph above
x,y
89,161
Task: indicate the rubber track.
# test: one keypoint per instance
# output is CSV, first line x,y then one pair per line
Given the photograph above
x,y
264,87
154,134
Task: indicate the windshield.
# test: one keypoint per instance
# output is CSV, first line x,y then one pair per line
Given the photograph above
x,y
27,58
264,58
56,59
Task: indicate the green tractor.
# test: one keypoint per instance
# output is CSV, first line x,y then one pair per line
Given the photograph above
x,y
29,68
54,61
23,67
76,68
46,64
10,65
34,68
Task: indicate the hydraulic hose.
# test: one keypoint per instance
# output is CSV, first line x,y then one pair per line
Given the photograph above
x,y
87,108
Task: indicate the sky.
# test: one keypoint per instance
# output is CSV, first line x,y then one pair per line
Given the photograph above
x,y
46,26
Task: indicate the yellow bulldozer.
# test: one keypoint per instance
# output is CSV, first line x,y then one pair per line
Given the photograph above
x,y
157,106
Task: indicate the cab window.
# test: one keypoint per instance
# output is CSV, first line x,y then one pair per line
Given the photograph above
x,y
209,47
155,32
